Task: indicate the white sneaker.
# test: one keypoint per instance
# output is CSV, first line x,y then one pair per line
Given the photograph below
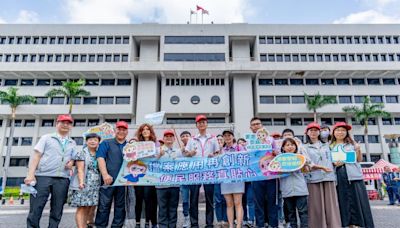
x,y
186,222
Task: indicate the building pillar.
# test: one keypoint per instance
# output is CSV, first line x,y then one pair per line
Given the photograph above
x,y
148,96
242,102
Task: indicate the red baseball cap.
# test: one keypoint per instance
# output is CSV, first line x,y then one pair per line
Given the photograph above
x,y
312,125
341,124
273,134
169,132
65,117
121,124
200,117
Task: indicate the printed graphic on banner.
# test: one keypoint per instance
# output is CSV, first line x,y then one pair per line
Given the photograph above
x,y
225,168
262,141
104,130
346,154
287,162
137,150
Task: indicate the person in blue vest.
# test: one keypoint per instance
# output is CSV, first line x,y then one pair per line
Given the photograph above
x,y
391,186
110,157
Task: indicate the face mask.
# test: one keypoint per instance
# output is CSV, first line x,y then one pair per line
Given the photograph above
x,y
324,134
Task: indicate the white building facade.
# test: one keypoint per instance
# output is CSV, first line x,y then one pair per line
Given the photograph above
x,y
229,72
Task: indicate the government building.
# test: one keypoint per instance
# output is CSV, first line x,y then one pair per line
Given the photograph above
x,y
230,72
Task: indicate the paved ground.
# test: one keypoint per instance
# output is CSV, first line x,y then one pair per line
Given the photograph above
x,y
15,216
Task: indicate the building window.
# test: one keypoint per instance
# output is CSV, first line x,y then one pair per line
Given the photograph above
x,y
397,120
373,81
376,99
26,141
107,82
210,57
343,81
281,81
387,121
195,100
279,122
359,138
266,121
174,100
308,120
18,162
27,82
312,81
90,100
125,40
10,82
392,99
296,121
47,123
117,58
91,82
57,100
92,58
266,99
265,82
78,140
76,100
106,100
388,81
124,58
326,121
298,100
80,123
124,82
282,100
18,123
327,81
93,122
122,100
43,82
215,99
295,81
359,99
29,123
344,99
339,119
42,100
194,40
373,138
58,82
262,40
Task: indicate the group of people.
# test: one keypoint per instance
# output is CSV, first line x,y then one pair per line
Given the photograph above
x,y
391,179
324,194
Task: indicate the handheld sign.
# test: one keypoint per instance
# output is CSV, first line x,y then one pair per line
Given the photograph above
x,y
155,118
287,162
137,150
344,153
104,130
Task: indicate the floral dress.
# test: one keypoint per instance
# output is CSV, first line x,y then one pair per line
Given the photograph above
x,y
89,196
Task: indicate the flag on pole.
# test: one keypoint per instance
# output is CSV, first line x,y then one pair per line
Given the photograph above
x,y
192,12
205,12
199,8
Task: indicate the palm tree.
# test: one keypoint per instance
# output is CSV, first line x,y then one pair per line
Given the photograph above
x,y
363,113
13,99
318,101
70,90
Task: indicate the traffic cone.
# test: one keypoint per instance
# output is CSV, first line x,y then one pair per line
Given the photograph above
x,y
11,201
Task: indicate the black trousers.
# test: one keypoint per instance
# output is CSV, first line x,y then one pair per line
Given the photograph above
x,y
194,204
299,203
148,194
106,197
168,200
58,188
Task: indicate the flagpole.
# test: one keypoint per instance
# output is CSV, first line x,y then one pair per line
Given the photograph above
x,y
202,14
190,17
196,18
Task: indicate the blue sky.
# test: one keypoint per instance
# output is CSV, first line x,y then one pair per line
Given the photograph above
x,y
221,11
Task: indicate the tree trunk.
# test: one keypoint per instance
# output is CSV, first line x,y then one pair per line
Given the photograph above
x,y
8,153
315,116
70,107
366,141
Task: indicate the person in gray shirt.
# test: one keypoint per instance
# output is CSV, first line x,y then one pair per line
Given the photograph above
x,y
49,172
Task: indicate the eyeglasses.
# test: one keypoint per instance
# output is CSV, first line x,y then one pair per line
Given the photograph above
x,y
255,124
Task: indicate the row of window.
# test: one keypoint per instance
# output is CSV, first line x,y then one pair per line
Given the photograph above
x,y
33,58
109,100
328,57
194,40
195,82
192,120
329,39
195,100
340,99
327,81
326,121
20,141
85,122
64,40
58,82
15,162
192,57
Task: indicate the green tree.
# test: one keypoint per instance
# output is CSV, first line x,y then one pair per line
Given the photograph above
x,y
363,113
70,90
13,99
317,101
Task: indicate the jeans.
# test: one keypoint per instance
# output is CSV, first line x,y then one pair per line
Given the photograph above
x,y
268,189
392,193
106,197
248,203
58,188
194,205
219,204
185,199
299,203
168,201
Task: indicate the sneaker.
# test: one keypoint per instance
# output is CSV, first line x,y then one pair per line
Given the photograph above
x,y
219,225
248,224
137,225
147,225
186,222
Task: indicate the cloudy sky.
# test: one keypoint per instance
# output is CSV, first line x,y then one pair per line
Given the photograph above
x,y
221,11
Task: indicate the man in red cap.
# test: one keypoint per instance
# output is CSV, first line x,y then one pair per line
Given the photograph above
x,y
201,145
168,196
49,171
110,157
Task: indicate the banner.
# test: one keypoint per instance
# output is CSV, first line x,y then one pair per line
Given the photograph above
x,y
136,150
225,168
155,118
104,130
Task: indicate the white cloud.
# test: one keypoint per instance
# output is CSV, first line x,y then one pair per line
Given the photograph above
x,y
161,11
368,17
27,17
2,21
